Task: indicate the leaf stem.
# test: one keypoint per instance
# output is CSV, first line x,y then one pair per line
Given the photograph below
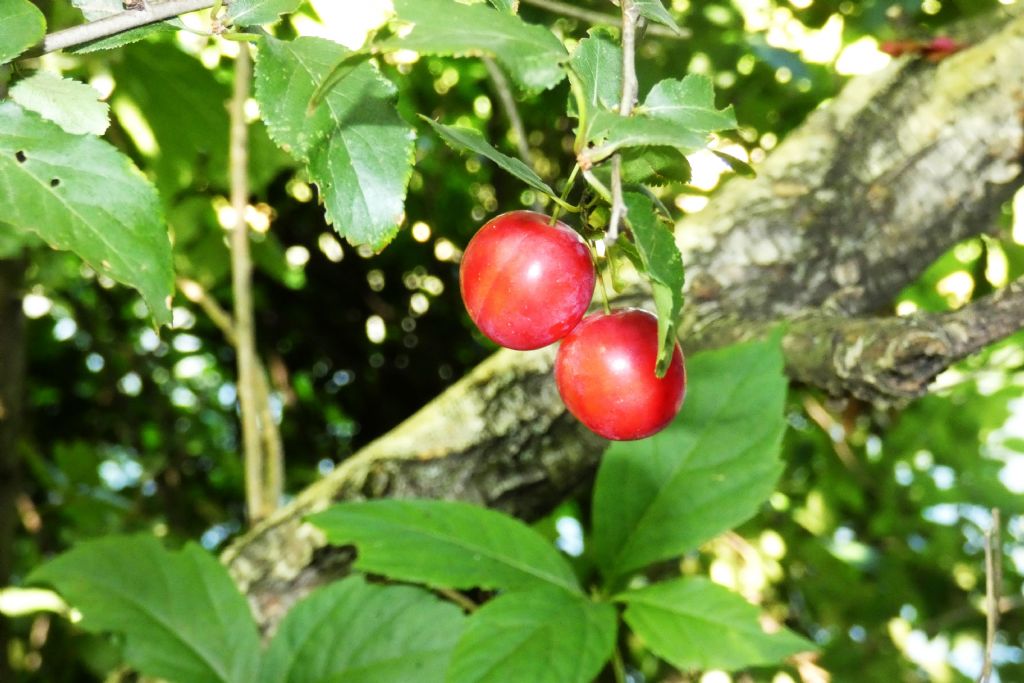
x,y
591,17
570,181
993,588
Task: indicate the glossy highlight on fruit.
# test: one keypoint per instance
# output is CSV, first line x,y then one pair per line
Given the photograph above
x,y
605,371
525,283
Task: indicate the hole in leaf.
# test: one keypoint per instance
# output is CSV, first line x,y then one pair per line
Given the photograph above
x,y
20,156
55,182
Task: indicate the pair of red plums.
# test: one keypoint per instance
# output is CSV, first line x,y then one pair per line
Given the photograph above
x,y
527,283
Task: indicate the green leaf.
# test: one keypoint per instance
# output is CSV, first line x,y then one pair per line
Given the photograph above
x,y
190,155
689,103
24,26
595,74
738,166
357,149
446,544
693,623
355,631
181,616
510,6
100,9
656,166
540,636
655,11
80,194
531,54
255,12
461,138
614,132
663,265
14,242
707,472
74,106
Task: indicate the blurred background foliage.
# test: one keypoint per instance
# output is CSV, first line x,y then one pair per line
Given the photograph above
x,y
872,545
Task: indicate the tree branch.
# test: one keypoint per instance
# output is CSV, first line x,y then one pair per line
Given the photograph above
x,y
119,23
273,446
600,18
241,285
847,211
993,588
508,104
630,19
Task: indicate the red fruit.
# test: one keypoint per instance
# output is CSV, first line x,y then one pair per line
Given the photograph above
x,y
605,371
526,283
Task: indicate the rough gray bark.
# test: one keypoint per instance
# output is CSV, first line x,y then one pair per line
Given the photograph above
x,y
848,210
12,381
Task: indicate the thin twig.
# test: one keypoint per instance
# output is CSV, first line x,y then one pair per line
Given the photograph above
x,y
119,23
630,18
459,599
241,284
508,105
273,446
591,17
993,588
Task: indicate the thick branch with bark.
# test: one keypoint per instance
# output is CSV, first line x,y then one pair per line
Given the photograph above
x,y
855,204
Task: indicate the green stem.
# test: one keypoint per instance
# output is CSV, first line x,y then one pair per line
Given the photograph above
x,y
565,193
618,666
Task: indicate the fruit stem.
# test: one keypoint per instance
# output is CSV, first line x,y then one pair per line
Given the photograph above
x,y
565,193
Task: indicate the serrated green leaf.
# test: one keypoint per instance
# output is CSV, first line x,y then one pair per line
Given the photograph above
x,y
656,166
690,103
595,73
531,54
537,636
14,241
613,132
24,26
655,11
100,9
181,616
256,12
446,544
663,265
74,106
707,472
355,631
357,149
693,623
80,194
461,138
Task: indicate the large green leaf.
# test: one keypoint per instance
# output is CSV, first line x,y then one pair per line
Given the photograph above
x,y
23,26
358,150
693,623
190,155
80,194
446,544
663,265
181,616
254,12
613,132
689,103
461,138
707,472
73,105
654,10
540,636
595,72
531,54
355,631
